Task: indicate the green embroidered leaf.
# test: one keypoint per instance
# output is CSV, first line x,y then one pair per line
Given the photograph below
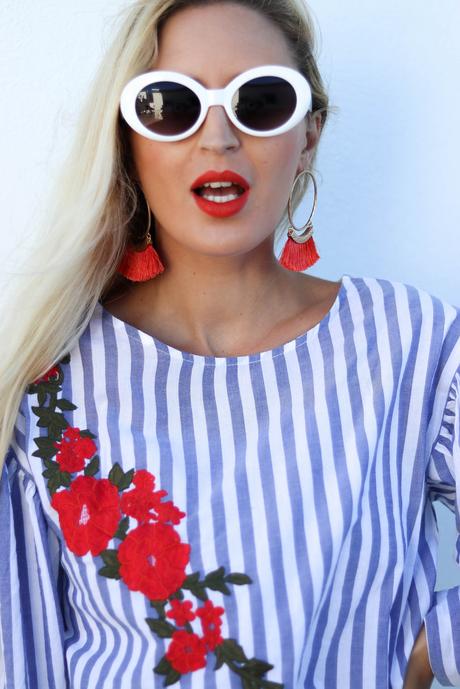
x,y
177,594
163,667
231,650
109,572
44,443
238,579
220,660
118,477
93,467
159,606
172,677
122,527
65,405
87,434
46,449
192,583
50,419
66,479
55,482
52,468
41,398
215,581
161,628
258,668
193,578
127,480
51,386
110,557
50,464
112,564
247,683
42,413
116,474
57,423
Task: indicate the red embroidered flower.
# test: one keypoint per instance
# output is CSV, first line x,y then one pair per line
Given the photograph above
x,y
168,512
186,652
52,374
211,623
144,503
73,450
181,612
153,560
89,514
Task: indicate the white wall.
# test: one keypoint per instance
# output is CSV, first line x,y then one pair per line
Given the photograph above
x,y
389,162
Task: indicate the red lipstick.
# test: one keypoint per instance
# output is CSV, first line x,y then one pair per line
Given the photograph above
x,y
221,209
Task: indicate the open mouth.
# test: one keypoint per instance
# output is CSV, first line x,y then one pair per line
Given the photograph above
x,y
219,192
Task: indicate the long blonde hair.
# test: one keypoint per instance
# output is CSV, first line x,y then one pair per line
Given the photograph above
x,y
96,207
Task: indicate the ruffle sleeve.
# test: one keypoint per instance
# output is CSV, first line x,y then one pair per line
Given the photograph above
x,y
443,619
31,614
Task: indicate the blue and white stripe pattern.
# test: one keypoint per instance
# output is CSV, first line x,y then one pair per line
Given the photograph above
x,y
311,468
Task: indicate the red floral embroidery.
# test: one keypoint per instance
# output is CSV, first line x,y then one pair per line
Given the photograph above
x,y
144,503
181,612
153,560
148,557
186,652
211,623
73,450
89,513
52,374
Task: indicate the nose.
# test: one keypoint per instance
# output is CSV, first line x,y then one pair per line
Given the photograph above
x,y
217,133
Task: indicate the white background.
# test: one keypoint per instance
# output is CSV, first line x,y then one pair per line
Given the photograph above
x,y
388,166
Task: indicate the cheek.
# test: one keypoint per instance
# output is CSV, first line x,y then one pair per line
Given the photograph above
x,y
277,169
157,170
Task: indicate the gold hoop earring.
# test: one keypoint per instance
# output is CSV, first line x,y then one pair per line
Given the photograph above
x,y
300,251
139,266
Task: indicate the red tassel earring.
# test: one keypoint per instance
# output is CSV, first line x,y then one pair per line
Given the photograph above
x,y
139,266
300,251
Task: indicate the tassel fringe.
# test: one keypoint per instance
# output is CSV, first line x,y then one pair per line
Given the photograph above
x,y
299,256
139,266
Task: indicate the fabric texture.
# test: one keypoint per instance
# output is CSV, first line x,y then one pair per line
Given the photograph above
x,y
291,489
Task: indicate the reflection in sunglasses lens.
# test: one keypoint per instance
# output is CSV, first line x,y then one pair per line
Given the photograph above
x,y
264,103
167,108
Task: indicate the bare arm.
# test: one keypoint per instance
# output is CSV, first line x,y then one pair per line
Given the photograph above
x,y
419,674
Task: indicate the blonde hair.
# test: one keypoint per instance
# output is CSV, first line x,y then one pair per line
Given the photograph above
x,y
96,207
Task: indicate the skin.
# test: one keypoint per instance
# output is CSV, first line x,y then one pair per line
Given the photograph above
x,y
223,292
419,674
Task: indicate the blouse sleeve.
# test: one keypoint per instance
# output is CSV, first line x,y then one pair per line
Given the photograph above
x,y
442,622
32,626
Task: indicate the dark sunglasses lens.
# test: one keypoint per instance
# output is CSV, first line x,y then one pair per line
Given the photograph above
x,y
264,103
167,108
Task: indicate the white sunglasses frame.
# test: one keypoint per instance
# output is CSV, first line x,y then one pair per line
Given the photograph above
x,y
210,97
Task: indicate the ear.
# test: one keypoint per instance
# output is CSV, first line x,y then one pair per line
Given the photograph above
x,y
312,135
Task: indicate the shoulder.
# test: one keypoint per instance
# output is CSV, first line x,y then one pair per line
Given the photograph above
x,y
417,328
407,306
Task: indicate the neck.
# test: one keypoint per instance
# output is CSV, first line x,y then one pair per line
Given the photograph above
x,y
213,304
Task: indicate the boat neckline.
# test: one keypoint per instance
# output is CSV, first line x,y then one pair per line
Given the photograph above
x,y
149,340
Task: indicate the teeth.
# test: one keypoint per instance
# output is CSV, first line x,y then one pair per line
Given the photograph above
x,y
217,185
221,199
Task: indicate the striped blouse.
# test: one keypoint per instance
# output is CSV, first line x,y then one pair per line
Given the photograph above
x,y
236,522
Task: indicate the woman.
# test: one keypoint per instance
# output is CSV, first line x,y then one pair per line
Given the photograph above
x,y
222,472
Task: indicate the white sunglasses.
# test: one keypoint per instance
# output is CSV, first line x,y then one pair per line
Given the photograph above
x,y
169,106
